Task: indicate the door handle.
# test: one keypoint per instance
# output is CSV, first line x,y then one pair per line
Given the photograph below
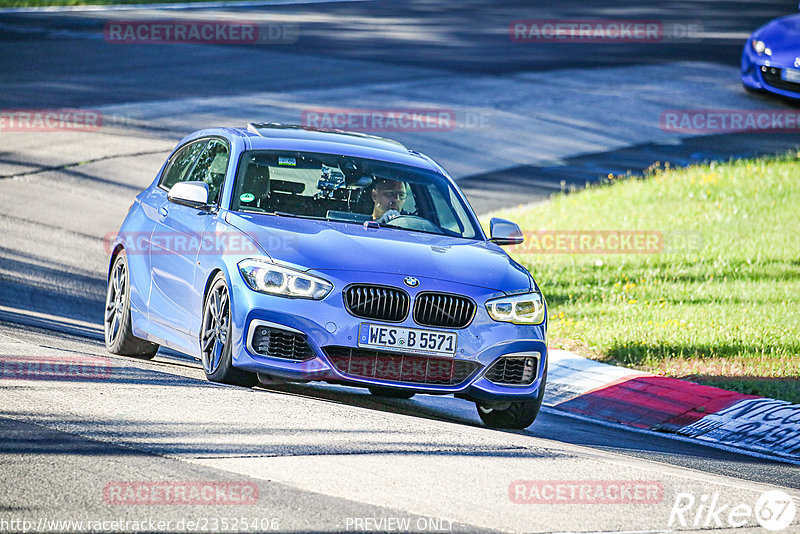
x,y
163,211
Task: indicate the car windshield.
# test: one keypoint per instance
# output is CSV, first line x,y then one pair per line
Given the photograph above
x,y
351,190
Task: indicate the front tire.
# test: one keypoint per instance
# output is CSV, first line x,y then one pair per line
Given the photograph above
x,y
117,324
216,343
517,415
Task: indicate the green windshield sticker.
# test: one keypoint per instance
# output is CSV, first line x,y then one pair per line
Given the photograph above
x,y
247,197
287,161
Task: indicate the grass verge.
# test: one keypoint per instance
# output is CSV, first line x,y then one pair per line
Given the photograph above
x,y
718,303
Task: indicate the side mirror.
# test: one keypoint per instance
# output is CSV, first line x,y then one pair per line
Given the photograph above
x,y
192,194
505,232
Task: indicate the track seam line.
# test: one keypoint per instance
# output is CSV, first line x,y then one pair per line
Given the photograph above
x,y
78,164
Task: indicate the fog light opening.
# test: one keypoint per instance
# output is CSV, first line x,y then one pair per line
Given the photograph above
x,y
529,370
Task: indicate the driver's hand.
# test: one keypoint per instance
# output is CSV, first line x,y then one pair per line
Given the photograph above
x,y
388,216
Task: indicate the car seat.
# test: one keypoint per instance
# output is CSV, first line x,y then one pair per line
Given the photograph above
x,y
255,190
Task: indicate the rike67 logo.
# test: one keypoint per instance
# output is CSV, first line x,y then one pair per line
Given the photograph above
x,y
774,510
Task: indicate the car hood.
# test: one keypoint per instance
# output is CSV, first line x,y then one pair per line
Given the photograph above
x,y
783,37
335,246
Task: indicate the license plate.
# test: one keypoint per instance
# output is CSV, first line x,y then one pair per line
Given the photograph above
x,y
790,75
414,340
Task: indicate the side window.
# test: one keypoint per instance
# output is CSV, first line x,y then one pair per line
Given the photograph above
x,y
450,212
180,164
461,215
210,167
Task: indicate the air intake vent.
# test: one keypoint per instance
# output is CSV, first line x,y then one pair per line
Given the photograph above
x,y
399,367
773,77
377,302
443,309
278,343
513,371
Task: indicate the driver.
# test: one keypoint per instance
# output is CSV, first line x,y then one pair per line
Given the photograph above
x,y
388,196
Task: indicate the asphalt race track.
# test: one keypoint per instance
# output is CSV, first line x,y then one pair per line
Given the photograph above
x,y
319,457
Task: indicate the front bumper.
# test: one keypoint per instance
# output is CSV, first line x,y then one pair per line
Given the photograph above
x,y
762,73
326,324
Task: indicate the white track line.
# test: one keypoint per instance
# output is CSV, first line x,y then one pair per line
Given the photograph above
x,y
175,6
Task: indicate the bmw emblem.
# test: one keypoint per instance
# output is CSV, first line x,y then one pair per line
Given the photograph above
x,y
410,281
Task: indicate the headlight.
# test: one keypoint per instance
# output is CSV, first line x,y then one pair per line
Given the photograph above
x,y
518,309
267,277
760,47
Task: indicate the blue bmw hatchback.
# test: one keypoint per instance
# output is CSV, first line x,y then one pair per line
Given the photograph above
x,y
281,253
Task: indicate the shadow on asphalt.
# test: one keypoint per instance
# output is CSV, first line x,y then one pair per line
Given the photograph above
x,y
536,183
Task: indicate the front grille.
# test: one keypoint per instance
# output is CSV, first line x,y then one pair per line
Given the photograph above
x,y
443,309
513,371
772,76
377,302
400,367
281,344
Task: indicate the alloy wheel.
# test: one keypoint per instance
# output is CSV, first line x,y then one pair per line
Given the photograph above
x,y
216,322
115,302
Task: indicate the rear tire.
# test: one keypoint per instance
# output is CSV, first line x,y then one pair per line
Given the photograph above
x,y
216,343
117,318
516,415
391,393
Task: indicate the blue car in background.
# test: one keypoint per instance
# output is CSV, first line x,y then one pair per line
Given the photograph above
x,y
771,58
279,253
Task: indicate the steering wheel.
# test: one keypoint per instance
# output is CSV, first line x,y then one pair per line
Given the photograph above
x,y
414,222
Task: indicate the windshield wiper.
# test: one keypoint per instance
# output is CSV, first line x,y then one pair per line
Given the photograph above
x,y
287,214
349,221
